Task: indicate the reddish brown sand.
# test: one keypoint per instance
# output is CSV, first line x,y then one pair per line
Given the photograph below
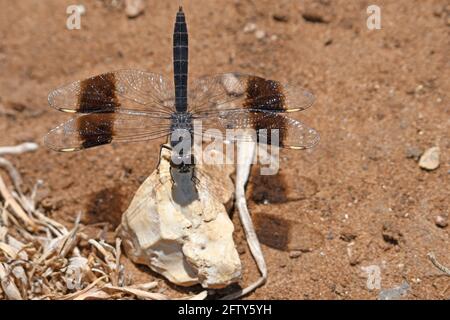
x,y
354,201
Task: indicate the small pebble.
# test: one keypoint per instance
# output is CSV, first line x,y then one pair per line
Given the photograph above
x,y
259,34
328,42
441,221
134,8
295,254
419,89
280,17
249,27
430,159
314,17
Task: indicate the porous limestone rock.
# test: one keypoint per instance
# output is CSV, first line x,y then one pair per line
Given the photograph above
x,y
187,243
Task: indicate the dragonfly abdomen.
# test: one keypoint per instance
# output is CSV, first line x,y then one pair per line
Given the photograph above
x,y
180,61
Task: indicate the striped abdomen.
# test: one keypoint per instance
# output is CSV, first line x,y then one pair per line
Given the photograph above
x,y
180,61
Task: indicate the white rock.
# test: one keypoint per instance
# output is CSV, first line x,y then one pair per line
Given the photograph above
x,y
430,159
249,27
188,244
133,8
259,34
441,221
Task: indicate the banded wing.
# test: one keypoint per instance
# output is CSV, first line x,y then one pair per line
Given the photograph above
x,y
95,129
118,90
231,91
237,101
268,127
125,105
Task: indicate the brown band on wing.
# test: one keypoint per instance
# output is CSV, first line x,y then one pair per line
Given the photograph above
x,y
98,94
270,121
95,129
266,95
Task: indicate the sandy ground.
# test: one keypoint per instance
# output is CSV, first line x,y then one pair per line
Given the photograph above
x,y
359,199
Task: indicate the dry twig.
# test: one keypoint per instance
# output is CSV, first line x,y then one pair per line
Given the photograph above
x,y
438,265
246,152
41,259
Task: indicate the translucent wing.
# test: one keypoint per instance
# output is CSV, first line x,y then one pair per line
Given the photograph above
x,y
118,90
96,129
231,91
263,126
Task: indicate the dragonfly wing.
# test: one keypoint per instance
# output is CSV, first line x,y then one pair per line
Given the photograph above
x,y
119,90
95,129
230,91
263,126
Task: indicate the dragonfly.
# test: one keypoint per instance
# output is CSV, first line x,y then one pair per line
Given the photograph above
x,y
135,105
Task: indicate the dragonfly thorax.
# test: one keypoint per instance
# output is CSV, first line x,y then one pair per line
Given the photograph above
x,y
182,121
181,130
181,140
